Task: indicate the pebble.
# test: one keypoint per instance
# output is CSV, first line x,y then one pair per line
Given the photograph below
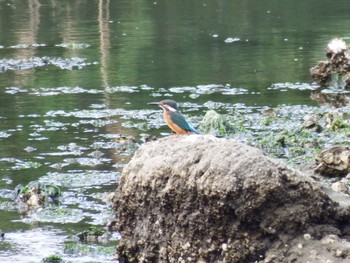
x,y
224,247
330,239
307,236
339,253
186,246
340,187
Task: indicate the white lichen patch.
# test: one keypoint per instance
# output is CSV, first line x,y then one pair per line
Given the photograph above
x,y
337,45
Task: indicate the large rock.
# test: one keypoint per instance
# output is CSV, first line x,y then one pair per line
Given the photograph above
x,y
335,71
198,198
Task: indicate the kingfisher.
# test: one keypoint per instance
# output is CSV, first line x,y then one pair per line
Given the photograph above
x,y
173,118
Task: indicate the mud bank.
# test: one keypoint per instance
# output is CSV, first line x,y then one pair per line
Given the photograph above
x,y
203,199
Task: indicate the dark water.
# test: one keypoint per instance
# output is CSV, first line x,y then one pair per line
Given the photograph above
x,y
76,76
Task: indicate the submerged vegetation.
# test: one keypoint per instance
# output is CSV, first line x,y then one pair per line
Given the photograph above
x,y
46,190
53,259
93,234
293,134
73,248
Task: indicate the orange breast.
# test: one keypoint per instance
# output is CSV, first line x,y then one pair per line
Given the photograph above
x,y
173,125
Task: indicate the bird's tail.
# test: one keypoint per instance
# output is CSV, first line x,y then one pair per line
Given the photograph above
x,y
193,129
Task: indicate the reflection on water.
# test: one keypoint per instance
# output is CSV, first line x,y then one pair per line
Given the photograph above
x,y
76,77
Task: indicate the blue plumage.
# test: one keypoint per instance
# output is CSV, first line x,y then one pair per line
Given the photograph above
x,y
180,121
174,119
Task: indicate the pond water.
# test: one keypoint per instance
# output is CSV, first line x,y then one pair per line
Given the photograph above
x,y
76,77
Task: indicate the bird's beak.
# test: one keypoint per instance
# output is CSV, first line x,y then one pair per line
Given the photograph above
x,y
153,103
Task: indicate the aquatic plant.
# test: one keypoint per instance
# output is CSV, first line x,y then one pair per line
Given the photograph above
x,y
52,259
93,234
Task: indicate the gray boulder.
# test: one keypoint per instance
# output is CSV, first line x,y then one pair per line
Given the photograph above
x,y
197,198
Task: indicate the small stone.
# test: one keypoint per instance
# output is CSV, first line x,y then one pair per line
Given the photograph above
x,y
311,122
313,254
330,239
140,242
224,247
270,112
307,236
212,248
340,187
33,200
270,259
338,253
186,246
300,246
334,161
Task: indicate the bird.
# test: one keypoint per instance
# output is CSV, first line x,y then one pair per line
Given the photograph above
x,y
173,118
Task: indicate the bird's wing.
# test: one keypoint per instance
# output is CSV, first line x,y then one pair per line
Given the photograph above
x,y
193,129
180,121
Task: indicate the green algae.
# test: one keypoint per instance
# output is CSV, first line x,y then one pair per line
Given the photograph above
x,y
53,259
49,190
93,234
72,248
215,123
283,134
35,194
